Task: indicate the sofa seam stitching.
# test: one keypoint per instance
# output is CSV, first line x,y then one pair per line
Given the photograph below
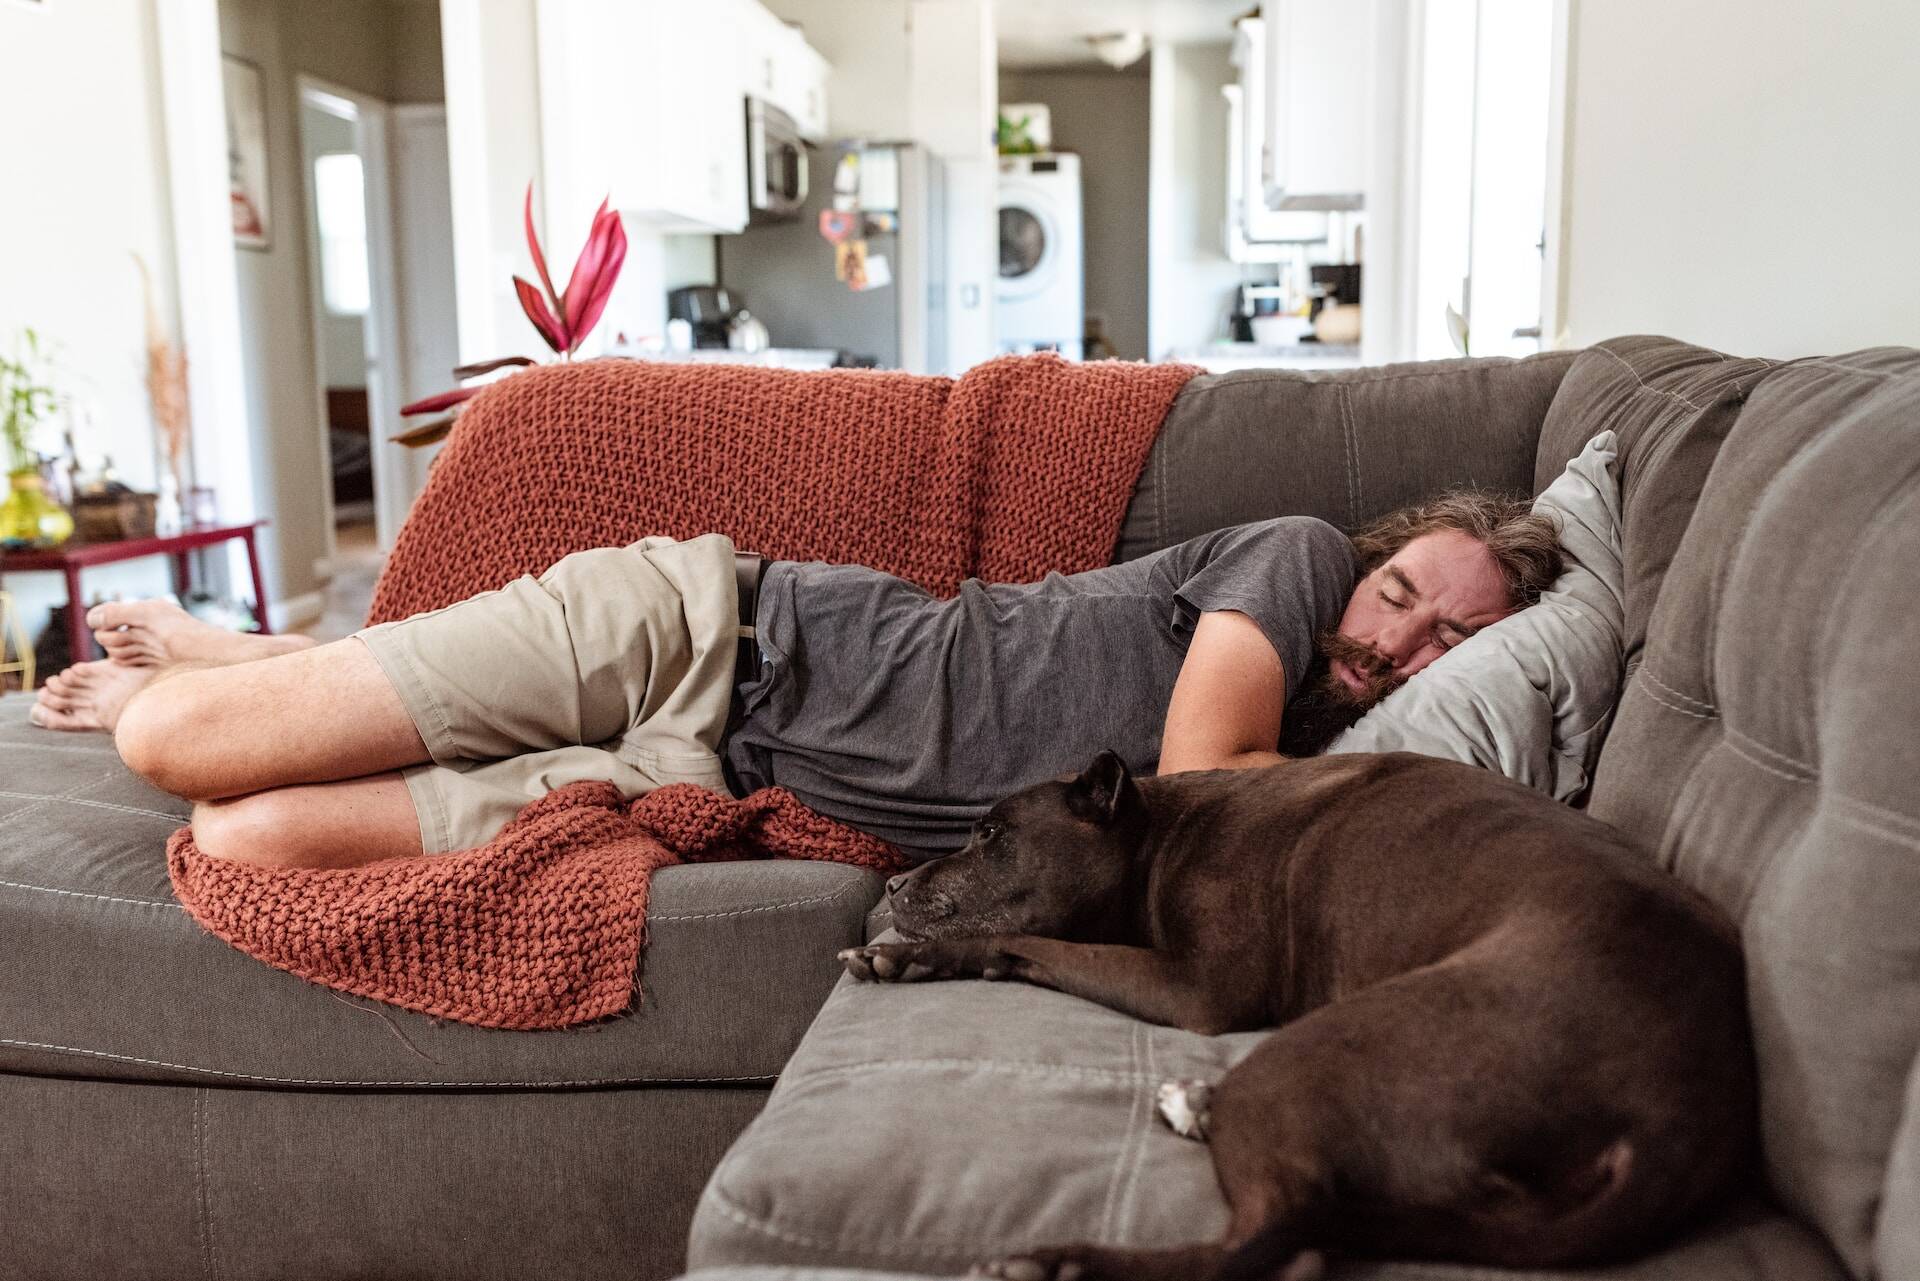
x,y
1685,698
41,802
105,805
103,898
1739,749
1713,391
1117,1076
748,911
452,1085
1708,715
199,1157
1317,375
1891,833
1109,1203
1808,767
1353,463
1138,1140
768,1226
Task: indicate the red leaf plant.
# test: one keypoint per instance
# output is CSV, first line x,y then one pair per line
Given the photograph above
x,y
563,320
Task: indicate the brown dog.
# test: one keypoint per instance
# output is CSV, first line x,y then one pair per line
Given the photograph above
x,y
1504,1035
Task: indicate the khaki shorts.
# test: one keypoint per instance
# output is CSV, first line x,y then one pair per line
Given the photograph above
x,y
617,665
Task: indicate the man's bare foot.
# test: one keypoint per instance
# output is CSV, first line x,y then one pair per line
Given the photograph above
x,y
88,695
143,632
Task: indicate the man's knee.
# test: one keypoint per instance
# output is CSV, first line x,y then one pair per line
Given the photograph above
x,y
155,735
262,828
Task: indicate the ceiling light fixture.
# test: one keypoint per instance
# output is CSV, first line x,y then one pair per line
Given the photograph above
x,y
1119,48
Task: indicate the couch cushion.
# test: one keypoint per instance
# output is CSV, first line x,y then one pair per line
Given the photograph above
x,y
1346,446
1766,749
108,977
923,1128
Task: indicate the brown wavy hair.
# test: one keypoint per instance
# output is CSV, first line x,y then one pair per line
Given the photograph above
x,y
1525,543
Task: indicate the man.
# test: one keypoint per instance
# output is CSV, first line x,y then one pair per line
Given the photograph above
x,y
877,704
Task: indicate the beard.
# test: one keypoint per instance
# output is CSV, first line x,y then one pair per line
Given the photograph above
x,y
1325,706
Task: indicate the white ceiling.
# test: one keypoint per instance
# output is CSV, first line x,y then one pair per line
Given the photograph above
x,y
1052,33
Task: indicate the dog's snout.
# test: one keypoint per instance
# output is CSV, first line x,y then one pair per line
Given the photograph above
x,y
898,883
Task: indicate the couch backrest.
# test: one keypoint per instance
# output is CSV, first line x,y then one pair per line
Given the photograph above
x,y
1343,446
1768,740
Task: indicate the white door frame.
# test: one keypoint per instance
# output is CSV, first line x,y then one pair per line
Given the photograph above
x,y
206,274
381,329
1557,222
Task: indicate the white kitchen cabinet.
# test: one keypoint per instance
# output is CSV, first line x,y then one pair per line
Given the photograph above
x,y
1316,81
643,100
1251,224
780,67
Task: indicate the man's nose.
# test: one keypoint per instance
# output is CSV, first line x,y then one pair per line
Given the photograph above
x,y
1398,642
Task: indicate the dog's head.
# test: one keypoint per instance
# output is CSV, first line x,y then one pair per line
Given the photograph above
x,y
1051,860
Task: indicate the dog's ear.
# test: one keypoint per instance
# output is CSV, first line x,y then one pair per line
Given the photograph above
x,y
1100,791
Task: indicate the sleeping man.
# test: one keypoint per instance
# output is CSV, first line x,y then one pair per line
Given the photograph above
x,y
877,704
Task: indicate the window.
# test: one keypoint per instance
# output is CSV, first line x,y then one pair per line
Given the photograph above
x,y
339,197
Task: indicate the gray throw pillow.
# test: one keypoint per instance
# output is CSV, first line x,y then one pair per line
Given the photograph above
x,y
1530,696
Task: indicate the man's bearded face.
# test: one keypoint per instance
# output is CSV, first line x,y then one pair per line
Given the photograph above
x,y
1328,701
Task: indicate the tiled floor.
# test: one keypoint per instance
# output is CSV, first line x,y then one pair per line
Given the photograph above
x,y
357,565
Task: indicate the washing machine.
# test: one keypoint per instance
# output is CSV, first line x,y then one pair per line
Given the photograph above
x,y
1039,297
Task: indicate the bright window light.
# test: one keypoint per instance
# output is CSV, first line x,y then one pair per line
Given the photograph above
x,y
339,197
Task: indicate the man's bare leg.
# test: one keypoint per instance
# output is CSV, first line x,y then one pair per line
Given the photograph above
x,y
343,824
317,715
289,750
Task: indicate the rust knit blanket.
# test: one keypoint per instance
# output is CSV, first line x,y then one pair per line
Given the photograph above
x,y
1022,466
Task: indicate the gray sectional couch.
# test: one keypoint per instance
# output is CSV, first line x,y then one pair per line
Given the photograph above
x,y
169,1107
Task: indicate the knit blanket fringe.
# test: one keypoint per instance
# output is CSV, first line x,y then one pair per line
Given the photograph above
x,y
1022,466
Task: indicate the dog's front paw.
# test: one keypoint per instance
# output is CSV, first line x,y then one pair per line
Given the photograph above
x,y
1041,1265
891,963
1185,1105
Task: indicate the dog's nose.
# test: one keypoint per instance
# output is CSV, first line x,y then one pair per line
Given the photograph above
x,y
896,884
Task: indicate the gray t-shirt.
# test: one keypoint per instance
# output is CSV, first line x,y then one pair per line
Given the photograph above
x,y
908,716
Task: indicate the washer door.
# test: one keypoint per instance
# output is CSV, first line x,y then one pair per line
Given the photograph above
x,y
1029,245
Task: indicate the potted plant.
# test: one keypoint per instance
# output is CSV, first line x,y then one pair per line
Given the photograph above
x,y
28,517
563,318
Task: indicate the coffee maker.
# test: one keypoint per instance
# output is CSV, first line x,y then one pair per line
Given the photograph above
x,y
707,309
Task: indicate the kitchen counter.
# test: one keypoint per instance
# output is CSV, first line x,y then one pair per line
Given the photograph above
x,y
774,357
1225,357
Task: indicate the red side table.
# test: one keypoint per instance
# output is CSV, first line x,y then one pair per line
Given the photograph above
x,y
71,558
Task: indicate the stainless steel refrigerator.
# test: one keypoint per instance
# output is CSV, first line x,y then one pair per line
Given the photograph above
x,y
783,272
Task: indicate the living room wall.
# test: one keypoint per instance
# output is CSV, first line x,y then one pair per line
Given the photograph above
x,y
86,191
1102,115
1742,175
353,44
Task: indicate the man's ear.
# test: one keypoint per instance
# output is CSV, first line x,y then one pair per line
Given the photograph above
x,y
1101,789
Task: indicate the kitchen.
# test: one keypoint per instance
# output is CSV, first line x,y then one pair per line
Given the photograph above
x,y
924,184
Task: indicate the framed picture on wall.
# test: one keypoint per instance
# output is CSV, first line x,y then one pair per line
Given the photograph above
x,y
247,152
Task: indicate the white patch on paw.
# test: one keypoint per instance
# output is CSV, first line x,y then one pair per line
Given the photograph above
x,y
1183,1106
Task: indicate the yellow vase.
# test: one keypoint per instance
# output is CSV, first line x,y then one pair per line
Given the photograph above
x,y
29,518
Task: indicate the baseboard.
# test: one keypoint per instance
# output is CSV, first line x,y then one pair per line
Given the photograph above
x,y
296,612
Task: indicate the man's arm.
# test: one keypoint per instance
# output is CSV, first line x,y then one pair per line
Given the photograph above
x,y
1228,700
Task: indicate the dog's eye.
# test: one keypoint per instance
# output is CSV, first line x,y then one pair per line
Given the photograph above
x,y
988,830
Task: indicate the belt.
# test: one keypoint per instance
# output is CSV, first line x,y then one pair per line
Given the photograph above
x,y
747,568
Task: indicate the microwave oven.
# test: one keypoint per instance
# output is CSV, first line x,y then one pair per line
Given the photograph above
x,y
776,163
